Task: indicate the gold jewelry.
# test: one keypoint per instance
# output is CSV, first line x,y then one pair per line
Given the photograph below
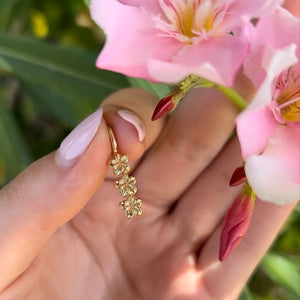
x,y
132,206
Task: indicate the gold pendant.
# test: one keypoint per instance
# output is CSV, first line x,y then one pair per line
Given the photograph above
x,y
126,184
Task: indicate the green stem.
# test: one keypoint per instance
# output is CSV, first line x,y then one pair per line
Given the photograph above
x,y
193,81
234,96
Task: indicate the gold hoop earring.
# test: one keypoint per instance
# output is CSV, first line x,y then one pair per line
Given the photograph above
x,y
126,184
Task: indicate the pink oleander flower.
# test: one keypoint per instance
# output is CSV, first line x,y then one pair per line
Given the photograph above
x,y
167,40
273,32
236,222
269,134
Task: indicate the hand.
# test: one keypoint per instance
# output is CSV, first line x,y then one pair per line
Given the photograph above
x,y
63,235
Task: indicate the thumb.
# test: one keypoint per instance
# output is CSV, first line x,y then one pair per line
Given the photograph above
x,y
49,193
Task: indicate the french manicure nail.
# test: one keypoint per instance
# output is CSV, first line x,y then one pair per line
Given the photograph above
x,y
135,121
75,144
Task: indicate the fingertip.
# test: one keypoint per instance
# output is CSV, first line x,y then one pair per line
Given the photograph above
x,y
128,112
126,135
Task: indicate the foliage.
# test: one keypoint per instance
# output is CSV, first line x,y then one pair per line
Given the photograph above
x,y
48,83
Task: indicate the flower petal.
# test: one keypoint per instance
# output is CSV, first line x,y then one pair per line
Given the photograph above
x,y
150,5
254,129
279,29
265,66
254,8
135,26
271,50
274,175
216,59
238,10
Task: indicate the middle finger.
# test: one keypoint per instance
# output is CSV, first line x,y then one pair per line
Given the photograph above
x,y
193,136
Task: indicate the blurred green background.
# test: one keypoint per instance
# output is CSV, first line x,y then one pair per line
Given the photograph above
x,y
48,83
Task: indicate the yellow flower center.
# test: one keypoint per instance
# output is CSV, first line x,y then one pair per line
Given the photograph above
x,y
188,26
188,19
289,104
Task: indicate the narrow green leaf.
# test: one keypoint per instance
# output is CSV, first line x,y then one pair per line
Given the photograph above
x,y
297,208
2,172
87,2
157,89
6,8
4,66
13,150
68,112
282,271
69,72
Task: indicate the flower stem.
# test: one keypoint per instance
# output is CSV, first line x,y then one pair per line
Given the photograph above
x,y
196,82
234,96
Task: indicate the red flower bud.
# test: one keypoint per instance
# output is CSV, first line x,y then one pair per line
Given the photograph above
x,y
236,222
165,105
168,103
238,177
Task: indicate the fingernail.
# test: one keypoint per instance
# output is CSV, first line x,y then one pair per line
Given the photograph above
x,y
75,144
135,121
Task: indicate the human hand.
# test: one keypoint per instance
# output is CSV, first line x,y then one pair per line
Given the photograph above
x,y
64,237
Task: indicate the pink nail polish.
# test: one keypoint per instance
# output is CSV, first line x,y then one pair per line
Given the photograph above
x,y
135,121
75,144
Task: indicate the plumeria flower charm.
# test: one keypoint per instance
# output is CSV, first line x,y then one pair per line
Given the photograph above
x,y
120,165
132,207
125,183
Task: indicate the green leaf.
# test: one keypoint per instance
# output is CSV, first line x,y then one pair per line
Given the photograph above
x,y
157,89
297,208
13,150
282,271
6,8
68,72
87,2
67,112
4,66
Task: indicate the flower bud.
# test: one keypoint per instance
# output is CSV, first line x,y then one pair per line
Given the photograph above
x,y
236,222
238,177
168,103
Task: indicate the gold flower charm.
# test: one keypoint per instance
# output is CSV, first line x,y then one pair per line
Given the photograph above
x,y
125,183
132,207
120,165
